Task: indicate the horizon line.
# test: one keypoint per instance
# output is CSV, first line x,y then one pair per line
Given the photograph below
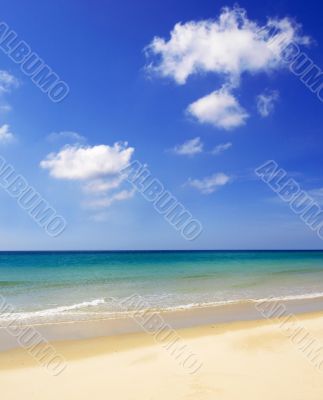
x,y
148,250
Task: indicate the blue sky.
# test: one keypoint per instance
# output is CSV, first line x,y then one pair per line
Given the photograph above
x,y
172,116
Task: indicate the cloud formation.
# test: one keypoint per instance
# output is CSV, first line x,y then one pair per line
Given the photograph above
x,y
190,147
102,185
220,109
6,135
209,184
227,46
97,167
81,163
7,83
107,201
266,102
67,136
220,148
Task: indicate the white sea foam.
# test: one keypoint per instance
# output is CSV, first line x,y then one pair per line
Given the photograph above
x,y
51,311
291,297
219,303
74,310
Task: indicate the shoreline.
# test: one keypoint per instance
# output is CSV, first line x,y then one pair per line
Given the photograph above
x,y
140,338
178,319
255,355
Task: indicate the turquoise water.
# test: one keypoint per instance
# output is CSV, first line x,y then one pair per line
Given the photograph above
x,y
60,286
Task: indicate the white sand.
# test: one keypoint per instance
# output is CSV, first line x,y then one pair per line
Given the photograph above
x,y
247,360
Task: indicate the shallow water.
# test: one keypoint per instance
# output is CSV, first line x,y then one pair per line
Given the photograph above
x,y
61,286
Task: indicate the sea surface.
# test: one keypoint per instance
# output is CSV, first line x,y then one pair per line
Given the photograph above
x,y
42,287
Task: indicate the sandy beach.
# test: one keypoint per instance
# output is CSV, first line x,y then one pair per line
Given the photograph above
x,y
241,360
161,191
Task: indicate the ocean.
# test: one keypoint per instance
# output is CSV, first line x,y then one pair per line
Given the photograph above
x,y
42,287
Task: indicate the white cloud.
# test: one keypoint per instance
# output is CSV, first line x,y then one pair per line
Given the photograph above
x,y
190,147
6,135
7,81
98,169
220,109
209,184
229,45
81,163
266,102
107,201
67,136
103,185
220,148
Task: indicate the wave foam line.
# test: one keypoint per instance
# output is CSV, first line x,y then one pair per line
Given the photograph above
x,y
63,310
52,311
